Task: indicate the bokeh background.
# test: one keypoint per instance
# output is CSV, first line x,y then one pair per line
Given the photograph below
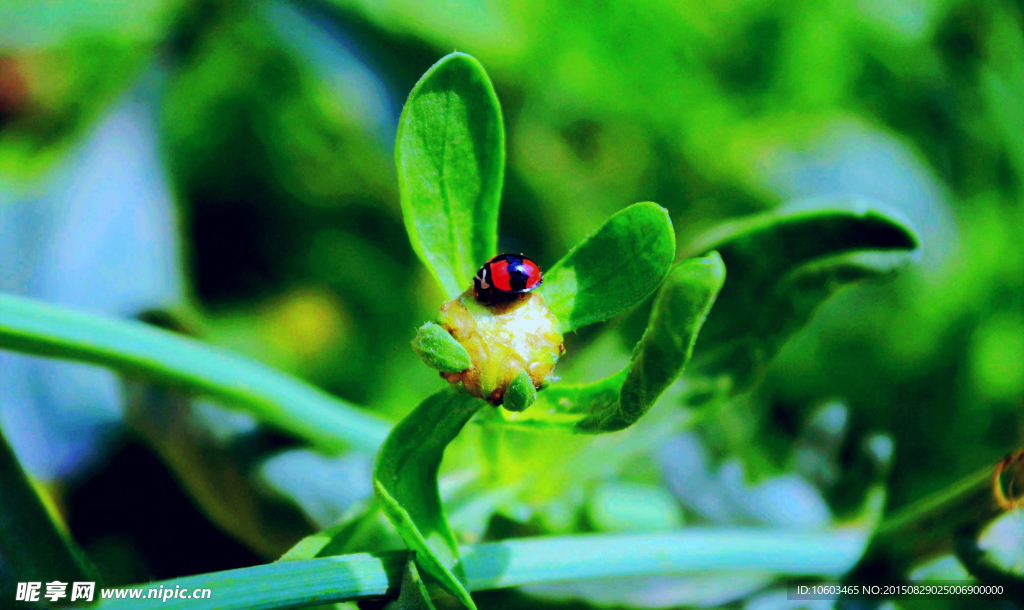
x,y
225,168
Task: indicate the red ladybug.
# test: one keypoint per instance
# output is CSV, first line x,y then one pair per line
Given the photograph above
x,y
505,277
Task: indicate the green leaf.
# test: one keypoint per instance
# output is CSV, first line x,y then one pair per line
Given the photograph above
x,y
618,266
676,319
450,154
782,266
131,347
518,562
414,595
361,529
439,349
405,483
617,402
31,546
314,546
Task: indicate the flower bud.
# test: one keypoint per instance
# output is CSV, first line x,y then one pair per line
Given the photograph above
x,y
439,350
504,342
520,393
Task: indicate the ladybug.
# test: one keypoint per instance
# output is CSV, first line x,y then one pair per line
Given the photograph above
x,y
505,277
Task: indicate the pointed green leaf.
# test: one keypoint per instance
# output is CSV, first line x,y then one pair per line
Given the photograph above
x,y
313,546
405,483
414,595
131,347
615,268
450,153
31,545
617,402
782,266
363,529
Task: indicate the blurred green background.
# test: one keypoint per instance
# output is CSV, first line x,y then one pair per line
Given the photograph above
x,y
227,167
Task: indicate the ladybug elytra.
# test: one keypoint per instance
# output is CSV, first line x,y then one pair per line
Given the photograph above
x,y
505,277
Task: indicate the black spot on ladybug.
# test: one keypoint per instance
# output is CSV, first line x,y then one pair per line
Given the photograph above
x,y
505,278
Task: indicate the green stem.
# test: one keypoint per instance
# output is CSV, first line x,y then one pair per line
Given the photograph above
x,y
32,549
511,563
37,328
928,527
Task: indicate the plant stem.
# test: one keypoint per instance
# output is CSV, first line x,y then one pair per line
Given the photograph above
x,y
928,527
33,327
510,563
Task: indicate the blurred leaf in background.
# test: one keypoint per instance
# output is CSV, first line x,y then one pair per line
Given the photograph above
x,y
267,128
61,66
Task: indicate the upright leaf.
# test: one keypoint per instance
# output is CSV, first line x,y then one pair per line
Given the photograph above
x,y
450,153
405,482
678,315
617,402
363,528
782,266
31,546
615,268
414,595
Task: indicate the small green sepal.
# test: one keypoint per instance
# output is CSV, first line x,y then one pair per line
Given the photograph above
x,y
439,350
520,393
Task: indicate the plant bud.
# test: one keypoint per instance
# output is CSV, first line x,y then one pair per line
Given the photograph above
x,y
520,393
503,341
439,350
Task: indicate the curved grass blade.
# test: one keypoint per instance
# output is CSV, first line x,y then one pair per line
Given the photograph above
x,y
131,347
405,483
513,563
782,266
618,266
617,402
450,153
32,548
